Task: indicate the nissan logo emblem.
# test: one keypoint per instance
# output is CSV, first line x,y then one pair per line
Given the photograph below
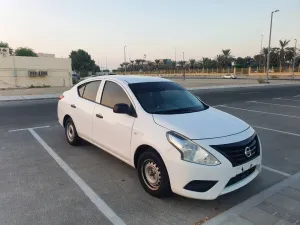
x,y
248,152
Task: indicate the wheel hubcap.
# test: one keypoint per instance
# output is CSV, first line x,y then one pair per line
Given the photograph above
x,y
151,174
70,132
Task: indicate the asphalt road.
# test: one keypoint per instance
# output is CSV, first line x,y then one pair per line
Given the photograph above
x,y
34,188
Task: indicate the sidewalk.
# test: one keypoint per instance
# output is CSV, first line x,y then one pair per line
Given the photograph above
x,y
277,205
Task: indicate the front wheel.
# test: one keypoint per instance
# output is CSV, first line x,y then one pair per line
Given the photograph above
x,y
153,175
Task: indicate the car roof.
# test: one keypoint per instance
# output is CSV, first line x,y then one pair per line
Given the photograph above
x,y
131,78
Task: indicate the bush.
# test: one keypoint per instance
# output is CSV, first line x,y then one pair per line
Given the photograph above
x,y
274,77
39,86
75,81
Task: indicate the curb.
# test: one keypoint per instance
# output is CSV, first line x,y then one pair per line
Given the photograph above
x,y
252,201
28,97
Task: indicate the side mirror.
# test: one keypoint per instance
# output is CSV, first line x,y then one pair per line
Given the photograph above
x,y
121,108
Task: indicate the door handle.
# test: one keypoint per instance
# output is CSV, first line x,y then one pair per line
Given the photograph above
x,y
73,106
99,115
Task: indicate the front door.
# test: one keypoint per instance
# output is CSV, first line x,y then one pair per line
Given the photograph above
x,y
112,131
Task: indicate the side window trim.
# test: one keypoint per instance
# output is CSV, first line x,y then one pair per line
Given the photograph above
x,y
119,86
84,84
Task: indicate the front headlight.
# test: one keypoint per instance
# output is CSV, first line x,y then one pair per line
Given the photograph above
x,y
190,151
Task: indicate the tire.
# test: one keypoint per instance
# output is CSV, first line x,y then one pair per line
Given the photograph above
x,y
71,133
157,184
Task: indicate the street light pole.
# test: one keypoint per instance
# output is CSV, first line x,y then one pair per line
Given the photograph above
x,y
261,40
125,57
268,59
294,61
183,65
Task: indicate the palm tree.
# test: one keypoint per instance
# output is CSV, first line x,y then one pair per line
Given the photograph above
x,y
227,56
289,54
157,62
138,62
181,63
150,65
132,65
220,60
142,63
283,45
192,63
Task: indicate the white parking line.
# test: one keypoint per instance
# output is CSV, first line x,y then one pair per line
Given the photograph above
x,y
276,171
266,103
287,99
101,205
279,131
250,110
28,128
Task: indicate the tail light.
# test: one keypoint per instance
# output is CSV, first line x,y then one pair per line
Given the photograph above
x,y
60,97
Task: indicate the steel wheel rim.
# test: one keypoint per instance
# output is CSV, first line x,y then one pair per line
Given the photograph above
x,y
70,132
151,174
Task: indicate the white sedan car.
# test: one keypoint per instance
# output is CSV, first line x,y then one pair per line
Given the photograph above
x,y
229,76
176,142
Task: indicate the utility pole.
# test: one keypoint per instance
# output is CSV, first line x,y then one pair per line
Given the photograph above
x,y
125,57
261,41
294,61
183,65
269,47
106,62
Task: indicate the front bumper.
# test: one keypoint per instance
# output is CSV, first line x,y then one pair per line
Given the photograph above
x,y
181,172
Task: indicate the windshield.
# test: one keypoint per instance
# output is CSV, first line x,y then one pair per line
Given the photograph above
x,y
166,98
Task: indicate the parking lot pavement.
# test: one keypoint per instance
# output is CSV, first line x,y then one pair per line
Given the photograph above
x,y
34,190
38,190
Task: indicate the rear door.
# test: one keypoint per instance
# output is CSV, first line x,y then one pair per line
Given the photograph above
x,y
112,131
83,108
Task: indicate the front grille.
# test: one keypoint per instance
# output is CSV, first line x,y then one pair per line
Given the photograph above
x,y
240,176
235,152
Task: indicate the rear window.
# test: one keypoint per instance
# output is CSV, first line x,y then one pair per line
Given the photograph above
x,y
89,90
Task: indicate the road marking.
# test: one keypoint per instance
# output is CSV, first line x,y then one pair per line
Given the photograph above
x,y
28,128
287,99
246,93
214,106
250,110
101,205
297,96
276,171
266,103
279,131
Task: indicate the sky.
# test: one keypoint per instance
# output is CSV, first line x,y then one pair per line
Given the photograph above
x,y
199,28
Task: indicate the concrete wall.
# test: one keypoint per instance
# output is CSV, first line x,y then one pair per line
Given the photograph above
x,y
14,71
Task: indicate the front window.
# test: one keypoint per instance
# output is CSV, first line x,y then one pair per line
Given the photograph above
x,y
166,98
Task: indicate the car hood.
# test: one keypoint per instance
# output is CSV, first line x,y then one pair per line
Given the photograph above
x,y
209,123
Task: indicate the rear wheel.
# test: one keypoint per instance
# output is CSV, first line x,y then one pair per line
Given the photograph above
x,y
153,175
71,133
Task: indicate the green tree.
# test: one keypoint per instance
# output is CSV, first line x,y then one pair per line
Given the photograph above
x,y
25,52
282,52
227,56
82,61
192,63
157,62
